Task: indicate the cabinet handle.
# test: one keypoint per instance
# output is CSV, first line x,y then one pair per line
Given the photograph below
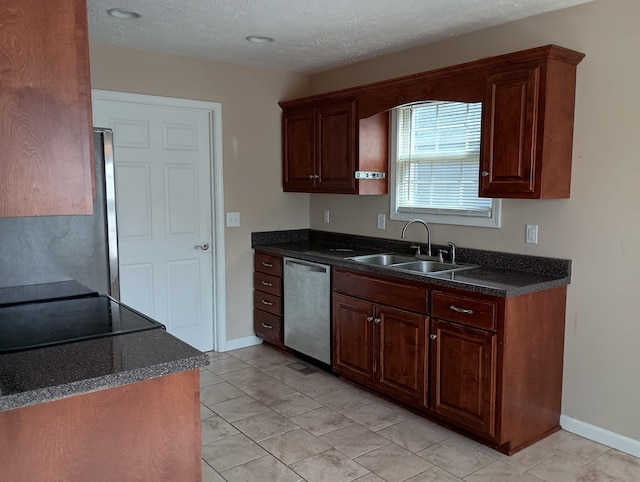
x,y
369,318
267,265
461,310
310,176
265,302
485,173
266,326
377,320
433,336
266,283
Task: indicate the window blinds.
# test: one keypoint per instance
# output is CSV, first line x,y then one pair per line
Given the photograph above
x,y
438,159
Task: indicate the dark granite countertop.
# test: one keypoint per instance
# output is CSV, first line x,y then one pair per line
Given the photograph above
x,y
498,274
46,374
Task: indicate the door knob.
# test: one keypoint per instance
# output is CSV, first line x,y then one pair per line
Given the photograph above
x,y
203,246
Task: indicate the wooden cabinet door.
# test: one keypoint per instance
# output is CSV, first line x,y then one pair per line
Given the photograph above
x,y
353,338
336,147
401,348
463,378
509,156
45,119
299,169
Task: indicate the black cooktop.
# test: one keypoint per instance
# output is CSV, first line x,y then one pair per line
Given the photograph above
x,y
38,324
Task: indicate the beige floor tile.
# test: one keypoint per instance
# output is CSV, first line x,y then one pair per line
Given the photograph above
x,y
250,352
377,416
318,384
221,392
210,475
246,377
205,411
393,463
208,378
226,365
231,452
354,440
434,474
523,460
270,359
293,446
370,477
292,404
346,399
263,469
268,390
563,468
321,420
574,445
265,425
457,457
286,375
500,472
618,464
239,408
415,434
215,428
215,355
329,466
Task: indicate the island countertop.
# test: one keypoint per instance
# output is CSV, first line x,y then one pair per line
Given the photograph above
x,y
50,373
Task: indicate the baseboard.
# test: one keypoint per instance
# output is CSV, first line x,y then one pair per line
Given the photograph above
x,y
240,343
600,435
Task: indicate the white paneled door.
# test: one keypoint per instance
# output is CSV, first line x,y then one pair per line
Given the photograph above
x,y
164,205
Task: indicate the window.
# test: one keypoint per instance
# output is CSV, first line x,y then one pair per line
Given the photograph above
x,y
435,165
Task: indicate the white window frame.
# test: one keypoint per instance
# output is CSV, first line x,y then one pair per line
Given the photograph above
x,y
494,221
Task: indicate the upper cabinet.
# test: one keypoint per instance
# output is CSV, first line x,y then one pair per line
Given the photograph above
x,y
325,144
527,130
45,119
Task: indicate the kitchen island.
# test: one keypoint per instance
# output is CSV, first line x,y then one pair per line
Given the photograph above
x,y
123,407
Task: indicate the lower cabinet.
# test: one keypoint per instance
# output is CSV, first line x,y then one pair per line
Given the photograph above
x,y
267,298
380,346
489,367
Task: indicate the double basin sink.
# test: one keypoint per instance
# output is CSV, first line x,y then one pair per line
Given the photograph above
x,y
410,264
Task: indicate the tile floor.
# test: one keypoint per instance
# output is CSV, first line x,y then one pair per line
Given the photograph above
x,y
267,416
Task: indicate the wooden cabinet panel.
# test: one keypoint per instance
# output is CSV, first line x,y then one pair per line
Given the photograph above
x,y
353,338
465,310
267,298
402,354
45,121
335,149
269,264
299,149
463,376
268,326
267,283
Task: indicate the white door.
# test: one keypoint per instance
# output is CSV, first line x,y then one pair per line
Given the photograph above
x,y
164,205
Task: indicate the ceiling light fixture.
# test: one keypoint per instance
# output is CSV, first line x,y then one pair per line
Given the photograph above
x,y
122,13
257,39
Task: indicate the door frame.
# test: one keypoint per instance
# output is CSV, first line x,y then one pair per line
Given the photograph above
x,y
214,111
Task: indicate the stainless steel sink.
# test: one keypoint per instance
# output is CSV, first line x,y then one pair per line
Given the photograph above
x,y
386,259
403,262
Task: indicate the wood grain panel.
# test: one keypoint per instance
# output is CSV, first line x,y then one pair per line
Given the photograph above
x,y
139,432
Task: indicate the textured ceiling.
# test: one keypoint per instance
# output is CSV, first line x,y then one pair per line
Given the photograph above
x,y
311,35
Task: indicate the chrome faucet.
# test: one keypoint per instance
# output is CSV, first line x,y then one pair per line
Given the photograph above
x,y
404,230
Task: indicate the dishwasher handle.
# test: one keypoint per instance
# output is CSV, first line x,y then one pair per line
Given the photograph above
x,y
302,266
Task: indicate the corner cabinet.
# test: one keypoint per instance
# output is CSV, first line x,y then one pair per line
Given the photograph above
x,y
486,366
325,144
527,138
45,122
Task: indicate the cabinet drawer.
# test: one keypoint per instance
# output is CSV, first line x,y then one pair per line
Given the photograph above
x,y
461,309
408,296
267,326
270,264
267,302
267,283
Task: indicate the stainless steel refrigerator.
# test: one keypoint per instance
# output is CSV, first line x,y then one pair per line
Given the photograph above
x,y
47,249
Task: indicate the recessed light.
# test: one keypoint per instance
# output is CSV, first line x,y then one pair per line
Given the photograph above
x,y
122,13
257,39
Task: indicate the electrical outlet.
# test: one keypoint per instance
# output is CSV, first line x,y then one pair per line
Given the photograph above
x,y
531,235
325,217
381,221
233,220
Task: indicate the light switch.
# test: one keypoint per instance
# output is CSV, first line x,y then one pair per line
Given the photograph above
x,y
233,220
531,236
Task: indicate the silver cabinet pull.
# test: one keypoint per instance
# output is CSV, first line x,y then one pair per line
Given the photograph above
x,y
265,302
377,320
433,337
267,265
369,318
461,310
266,283
266,326
203,246
485,173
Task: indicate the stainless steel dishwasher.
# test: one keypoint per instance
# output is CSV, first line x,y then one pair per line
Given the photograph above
x,y
307,308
